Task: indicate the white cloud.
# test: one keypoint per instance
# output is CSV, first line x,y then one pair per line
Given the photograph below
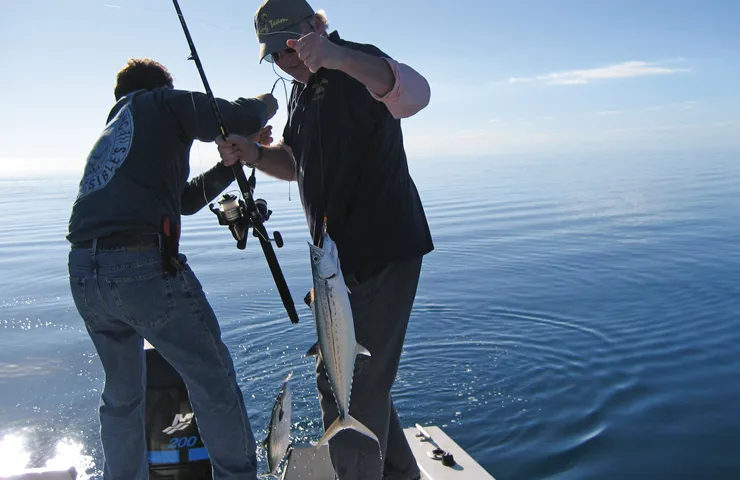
x,y
630,69
607,112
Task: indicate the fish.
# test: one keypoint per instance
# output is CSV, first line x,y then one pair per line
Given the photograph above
x,y
336,346
277,441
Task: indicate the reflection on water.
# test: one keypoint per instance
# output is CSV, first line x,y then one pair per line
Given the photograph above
x,y
15,456
576,320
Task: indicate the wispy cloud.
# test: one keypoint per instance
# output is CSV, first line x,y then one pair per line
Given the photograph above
x,y
608,112
630,69
111,6
677,128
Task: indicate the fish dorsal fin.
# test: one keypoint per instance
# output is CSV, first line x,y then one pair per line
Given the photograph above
x,y
313,351
360,350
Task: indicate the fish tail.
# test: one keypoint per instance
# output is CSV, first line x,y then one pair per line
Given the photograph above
x,y
349,422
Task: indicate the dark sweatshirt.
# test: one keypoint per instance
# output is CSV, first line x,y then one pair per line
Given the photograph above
x,y
137,171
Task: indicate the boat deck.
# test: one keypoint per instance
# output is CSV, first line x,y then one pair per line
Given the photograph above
x,y
304,464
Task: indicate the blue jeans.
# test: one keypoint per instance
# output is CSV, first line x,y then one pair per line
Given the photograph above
x,y
124,297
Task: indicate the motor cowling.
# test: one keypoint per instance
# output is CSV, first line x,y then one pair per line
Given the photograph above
x,y
175,449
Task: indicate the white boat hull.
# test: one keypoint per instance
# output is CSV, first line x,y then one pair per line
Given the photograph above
x,y
44,474
304,464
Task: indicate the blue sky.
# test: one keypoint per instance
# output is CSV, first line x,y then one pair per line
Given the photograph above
x,y
506,76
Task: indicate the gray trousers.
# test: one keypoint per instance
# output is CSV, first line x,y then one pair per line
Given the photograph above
x,y
381,306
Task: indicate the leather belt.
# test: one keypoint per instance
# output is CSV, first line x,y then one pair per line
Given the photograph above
x,y
122,241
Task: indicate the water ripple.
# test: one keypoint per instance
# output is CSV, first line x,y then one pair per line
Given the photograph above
x,y
577,319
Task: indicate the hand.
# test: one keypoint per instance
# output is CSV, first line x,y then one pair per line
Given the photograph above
x,y
236,149
263,137
271,102
317,51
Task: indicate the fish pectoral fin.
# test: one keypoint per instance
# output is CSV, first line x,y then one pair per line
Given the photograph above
x,y
313,351
308,299
360,350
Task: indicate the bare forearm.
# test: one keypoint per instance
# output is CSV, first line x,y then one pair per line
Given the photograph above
x,y
371,71
401,88
277,161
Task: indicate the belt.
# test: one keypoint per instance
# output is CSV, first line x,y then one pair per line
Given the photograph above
x,y
122,241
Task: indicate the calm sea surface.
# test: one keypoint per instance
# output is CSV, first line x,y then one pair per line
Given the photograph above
x,y
579,318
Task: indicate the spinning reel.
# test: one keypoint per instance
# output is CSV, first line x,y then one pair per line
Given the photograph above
x,y
240,216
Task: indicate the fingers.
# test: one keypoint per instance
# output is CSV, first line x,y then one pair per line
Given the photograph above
x,y
314,63
312,58
305,45
237,141
232,148
265,136
311,50
302,42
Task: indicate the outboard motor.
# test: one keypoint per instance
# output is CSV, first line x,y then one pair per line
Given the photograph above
x,y
175,450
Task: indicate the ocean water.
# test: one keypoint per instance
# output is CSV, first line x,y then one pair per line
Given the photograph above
x,y
578,318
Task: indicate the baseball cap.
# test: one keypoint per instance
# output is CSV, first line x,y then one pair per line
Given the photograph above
x,y
276,21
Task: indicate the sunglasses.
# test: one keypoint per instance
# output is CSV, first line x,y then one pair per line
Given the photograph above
x,y
276,55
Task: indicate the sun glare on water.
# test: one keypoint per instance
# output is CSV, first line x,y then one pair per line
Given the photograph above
x,y
14,458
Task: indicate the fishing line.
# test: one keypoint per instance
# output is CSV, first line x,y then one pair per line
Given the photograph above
x,y
324,226
285,88
321,166
251,213
197,147
318,123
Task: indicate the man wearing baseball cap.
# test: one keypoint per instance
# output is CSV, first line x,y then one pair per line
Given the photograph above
x,y
343,144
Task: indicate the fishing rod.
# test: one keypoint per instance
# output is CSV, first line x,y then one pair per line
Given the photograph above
x,y
241,215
